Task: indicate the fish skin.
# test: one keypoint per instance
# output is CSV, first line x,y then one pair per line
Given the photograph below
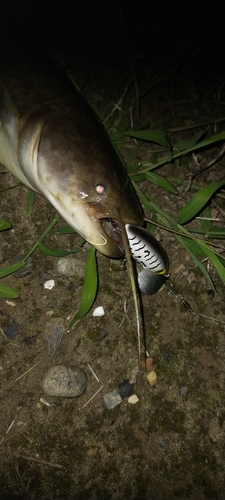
x,y
51,140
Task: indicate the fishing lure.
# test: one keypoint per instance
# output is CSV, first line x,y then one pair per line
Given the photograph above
x,y
146,250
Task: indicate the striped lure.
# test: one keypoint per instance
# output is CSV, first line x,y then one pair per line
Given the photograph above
x,y
146,250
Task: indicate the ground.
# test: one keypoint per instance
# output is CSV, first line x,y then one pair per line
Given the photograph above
x,y
171,443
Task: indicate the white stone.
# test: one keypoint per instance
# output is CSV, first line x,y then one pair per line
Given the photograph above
x,y
133,399
98,311
48,285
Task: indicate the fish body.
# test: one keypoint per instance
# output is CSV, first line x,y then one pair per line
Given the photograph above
x,y
52,141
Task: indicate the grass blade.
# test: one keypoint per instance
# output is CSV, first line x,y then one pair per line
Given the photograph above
x,y
12,269
214,259
4,225
159,181
7,292
89,288
198,201
197,261
56,252
152,136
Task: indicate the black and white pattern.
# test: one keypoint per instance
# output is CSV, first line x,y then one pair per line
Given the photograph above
x,y
146,250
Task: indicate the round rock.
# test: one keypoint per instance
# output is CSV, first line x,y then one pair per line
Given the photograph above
x,y
62,381
70,266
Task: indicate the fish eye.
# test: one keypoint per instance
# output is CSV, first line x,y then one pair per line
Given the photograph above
x,y
100,188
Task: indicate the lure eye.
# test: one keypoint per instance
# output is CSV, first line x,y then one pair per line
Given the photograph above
x,y
100,188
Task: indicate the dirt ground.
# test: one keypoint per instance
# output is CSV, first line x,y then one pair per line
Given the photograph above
x,y
171,443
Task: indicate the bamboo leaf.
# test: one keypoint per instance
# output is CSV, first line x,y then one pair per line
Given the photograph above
x,y
12,269
197,261
56,252
217,232
7,292
198,201
89,289
66,230
181,145
138,177
206,223
192,246
214,259
160,182
152,136
4,225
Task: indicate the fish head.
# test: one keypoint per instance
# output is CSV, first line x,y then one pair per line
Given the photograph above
x,y
78,170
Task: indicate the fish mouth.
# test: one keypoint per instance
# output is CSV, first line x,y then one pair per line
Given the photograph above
x,y
112,230
110,226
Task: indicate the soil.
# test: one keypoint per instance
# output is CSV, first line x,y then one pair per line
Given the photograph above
x,y
170,444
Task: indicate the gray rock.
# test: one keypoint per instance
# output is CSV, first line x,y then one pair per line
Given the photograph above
x,y
64,382
71,266
163,443
184,391
111,400
52,335
11,330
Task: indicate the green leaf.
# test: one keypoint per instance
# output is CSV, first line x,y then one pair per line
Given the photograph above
x,y
202,268
57,253
192,246
206,224
181,145
198,201
7,292
214,259
12,269
217,232
66,230
89,289
4,225
138,177
159,181
152,136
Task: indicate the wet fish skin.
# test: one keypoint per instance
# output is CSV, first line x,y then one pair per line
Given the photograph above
x,y
51,140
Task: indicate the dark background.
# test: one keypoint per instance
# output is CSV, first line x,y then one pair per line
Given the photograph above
x,y
102,33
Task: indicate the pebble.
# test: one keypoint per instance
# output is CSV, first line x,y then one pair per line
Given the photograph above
x,y
52,335
11,330
184,390
162,443
25,270
65,382
70,266
125,389
111,400
98,312
152,377
133,399
166,357
49,285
